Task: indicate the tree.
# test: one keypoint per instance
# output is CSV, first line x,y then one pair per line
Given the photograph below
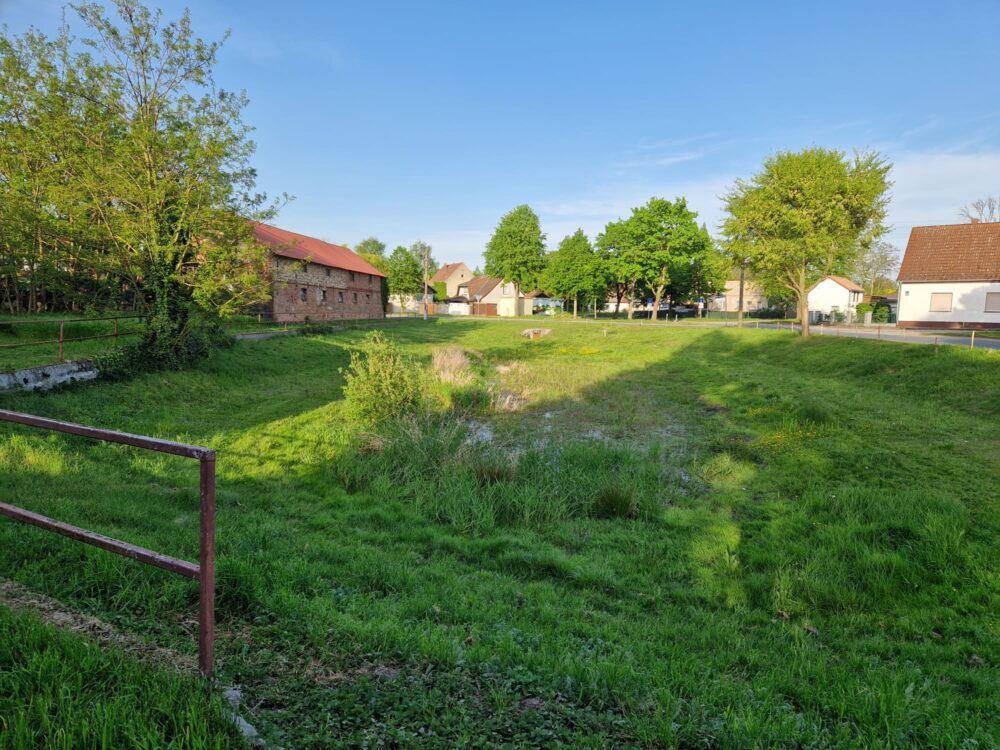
x,y
516,251
572,271
986,210
152,186
666,237
615,248
807,214
406,273
370,246
878,261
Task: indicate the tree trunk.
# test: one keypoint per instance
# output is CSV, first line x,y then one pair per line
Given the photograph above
x,y
802,295
575,300
739,307
595,307
631,302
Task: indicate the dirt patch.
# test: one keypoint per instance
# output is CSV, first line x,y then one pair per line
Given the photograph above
x,y
56,613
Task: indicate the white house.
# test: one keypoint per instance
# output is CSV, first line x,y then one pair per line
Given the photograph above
x,y
950,277
835,294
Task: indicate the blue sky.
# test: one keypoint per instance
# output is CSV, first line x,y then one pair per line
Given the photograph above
x,y
430,120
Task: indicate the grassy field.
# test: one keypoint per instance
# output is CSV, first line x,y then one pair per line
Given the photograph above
x,y
39,328
682,537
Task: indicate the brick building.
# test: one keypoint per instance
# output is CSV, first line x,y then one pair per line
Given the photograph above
x,y
319,280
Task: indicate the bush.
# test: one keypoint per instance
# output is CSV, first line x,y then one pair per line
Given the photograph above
x,y
881,314
864,307
156,351
382,383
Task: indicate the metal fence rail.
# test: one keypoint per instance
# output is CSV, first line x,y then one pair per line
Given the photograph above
x,y
203,571
62,338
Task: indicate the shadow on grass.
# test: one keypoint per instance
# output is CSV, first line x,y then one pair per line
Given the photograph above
x,y
808,508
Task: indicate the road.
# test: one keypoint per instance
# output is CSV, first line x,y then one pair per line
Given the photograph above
x,y
877,333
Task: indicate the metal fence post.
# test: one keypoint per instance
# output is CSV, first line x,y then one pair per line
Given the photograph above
x,y
61,324
972,340
206,565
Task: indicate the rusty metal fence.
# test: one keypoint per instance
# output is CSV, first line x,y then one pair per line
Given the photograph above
x,y
203,571
62,339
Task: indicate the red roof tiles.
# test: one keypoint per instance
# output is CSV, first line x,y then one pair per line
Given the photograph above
x,y
302,247
444,272
952,252
842,280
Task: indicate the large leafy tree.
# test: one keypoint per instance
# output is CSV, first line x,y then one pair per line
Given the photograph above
x,y
666,244
806,214
153,186
406,273
573,271
516,251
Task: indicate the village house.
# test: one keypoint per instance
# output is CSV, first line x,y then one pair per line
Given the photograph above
x,y
950,277
833,296
487,295
728,300
452,275
317,280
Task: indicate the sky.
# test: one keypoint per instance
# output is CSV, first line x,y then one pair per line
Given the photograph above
x,y
430,120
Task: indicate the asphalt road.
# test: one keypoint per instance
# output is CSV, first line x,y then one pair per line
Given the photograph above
x,y
877,333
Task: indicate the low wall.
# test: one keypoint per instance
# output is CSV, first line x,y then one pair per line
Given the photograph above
x,y
48,376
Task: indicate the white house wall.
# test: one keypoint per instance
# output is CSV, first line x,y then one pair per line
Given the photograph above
x,y
968,304
828,294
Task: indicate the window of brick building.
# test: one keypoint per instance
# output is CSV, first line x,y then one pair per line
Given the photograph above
x,y
320,295
327,271
354,297
340,296
303,294
368,297
370,279
352,275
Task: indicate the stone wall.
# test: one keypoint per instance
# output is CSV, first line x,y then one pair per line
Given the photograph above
x,y
318,292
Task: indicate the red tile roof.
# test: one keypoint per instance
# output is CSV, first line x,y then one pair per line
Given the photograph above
x,y
444,272
952,252
842,280
301,247
481,285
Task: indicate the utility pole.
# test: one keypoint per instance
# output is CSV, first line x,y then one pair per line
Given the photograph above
x,y
425,282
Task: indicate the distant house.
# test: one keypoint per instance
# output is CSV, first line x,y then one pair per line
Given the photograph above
x,y
412,302
729,299
452,275
491,296
950,277
318,280
835,294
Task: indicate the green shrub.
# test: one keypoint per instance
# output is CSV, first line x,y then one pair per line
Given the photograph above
x,y
155,350
382,382
864,307
881,314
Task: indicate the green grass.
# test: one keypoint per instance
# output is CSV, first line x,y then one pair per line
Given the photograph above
x,y
62,692
758,541
44,327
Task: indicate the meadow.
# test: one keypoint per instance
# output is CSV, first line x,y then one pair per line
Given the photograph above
x,y
612,536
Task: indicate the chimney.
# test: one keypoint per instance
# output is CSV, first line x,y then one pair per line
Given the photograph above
x,y
974,220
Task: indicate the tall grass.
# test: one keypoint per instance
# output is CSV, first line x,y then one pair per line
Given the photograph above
x,y
436,464
62,692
